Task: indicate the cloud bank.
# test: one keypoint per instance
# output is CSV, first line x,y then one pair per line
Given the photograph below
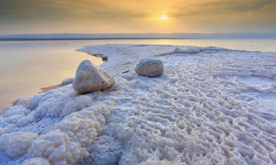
x,y
91,16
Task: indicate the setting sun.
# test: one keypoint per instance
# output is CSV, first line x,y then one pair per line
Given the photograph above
x,y
163,17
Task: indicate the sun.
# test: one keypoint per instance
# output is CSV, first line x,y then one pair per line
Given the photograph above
x,y
163,17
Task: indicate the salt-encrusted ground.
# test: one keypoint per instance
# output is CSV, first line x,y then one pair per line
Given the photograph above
x,y
211,106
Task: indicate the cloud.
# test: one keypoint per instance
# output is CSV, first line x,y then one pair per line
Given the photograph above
x,y
224,7
242,6
136,15
124,9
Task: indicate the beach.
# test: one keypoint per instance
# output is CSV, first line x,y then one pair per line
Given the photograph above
x,y
211,106
138,82
27,66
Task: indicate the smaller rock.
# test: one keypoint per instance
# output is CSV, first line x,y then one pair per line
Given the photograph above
x,y
90,78
150,67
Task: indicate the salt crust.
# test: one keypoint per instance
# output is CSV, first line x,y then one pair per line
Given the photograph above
x,y
20,101
76,105
204,109
16,143
68,81
36,161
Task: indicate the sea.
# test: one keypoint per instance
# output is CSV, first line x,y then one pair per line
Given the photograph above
x,y
27,66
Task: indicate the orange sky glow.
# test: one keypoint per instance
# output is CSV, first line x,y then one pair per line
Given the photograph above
x,y
137,16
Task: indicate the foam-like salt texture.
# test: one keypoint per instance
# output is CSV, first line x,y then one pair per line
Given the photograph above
x,y
68,81
36,161
15,144
211,106
58,148
76,105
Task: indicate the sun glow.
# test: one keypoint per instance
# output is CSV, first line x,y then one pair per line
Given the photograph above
x,y
163,17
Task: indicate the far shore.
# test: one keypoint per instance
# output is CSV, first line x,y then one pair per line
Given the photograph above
x,y
62,39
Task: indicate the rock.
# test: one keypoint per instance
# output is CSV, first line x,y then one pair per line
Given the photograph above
x,y
150,67
90,78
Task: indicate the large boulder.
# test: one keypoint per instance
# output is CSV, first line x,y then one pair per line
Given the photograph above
x,y
90,78
150,67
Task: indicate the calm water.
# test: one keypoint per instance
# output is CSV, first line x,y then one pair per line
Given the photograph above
x,y
26,66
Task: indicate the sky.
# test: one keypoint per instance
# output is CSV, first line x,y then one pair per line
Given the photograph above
x,y
137,16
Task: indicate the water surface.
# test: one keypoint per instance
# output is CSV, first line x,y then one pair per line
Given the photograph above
x,y
27,66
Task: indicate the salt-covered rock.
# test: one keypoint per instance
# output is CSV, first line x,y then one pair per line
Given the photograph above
x,y
150,67
80,130
153,162
16,144
90,77
25,120
79,103
57,147
3,131
36,161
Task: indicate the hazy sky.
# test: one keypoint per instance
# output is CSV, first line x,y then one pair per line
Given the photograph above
x,y
137,16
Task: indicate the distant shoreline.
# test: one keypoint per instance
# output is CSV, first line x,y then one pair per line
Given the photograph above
x,y
62,39
134,36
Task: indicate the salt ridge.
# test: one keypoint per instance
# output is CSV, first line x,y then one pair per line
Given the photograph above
x,y
211,106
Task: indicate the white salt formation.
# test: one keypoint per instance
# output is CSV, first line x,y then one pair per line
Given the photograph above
x,y
90,78
36,161
57,147
211,106
150,67
68,81
21,101
16,144
76,105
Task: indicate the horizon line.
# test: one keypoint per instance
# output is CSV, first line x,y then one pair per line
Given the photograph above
x,y
144,33
106,36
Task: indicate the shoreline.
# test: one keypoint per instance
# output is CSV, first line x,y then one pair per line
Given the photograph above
x,y
41,89
207,106
103,57
62,39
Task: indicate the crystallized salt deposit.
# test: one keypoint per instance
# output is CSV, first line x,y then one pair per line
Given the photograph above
x,y
16,144
76,105
36,161
57,147
67,81
20,101
210,106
